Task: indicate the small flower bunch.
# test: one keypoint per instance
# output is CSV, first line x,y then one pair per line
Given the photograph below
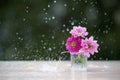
x,y
79,44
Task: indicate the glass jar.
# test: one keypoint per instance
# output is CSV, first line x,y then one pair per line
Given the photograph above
x,y
78,62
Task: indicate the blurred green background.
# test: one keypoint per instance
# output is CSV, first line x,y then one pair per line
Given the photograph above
x,y
38,29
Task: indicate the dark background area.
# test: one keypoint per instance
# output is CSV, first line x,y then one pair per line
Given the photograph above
x,y
38,29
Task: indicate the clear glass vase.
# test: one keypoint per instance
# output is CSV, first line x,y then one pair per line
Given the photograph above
x,y
78,62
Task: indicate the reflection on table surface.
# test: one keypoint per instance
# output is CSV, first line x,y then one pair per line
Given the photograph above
x,y
58,70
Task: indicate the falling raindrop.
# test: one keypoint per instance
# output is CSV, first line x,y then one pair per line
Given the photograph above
x,y
45,43
63,42
67,29
27,11
43,35
27,7
101,42
91,3
53,17
37,51
19,38
86,1
50,49
85,19
54,47
72,23
100,58
41,41
48,6
15,48
49,19
63,31
54,1
52,37
73,9
65,5
105,13
16,33
44,9
99,30
106,31
46,13
46,21
24,19
44,47
64,25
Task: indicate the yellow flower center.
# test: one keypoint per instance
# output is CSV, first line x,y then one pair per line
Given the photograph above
x,y
89,46
79,33
73,43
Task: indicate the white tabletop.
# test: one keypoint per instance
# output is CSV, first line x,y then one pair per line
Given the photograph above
x,y
58,70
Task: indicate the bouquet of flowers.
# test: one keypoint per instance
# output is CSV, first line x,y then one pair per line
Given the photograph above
x,y
79,44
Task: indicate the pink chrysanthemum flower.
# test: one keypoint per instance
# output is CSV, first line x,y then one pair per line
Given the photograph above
x,y
89,46
79,31
73,45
